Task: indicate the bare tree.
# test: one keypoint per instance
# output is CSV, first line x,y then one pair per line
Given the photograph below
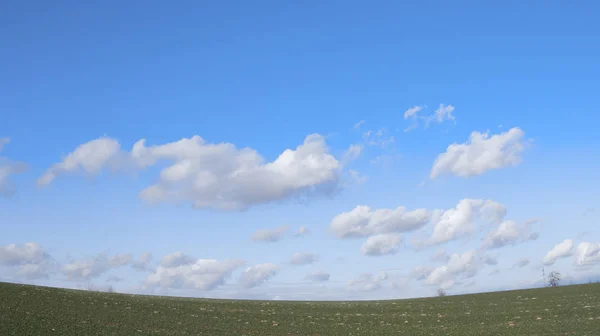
x,y
554,279
441,292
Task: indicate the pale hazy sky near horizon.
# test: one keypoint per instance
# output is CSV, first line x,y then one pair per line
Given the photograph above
x,y
299,150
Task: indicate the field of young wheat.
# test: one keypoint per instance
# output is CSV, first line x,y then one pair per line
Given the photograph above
x,y
31,310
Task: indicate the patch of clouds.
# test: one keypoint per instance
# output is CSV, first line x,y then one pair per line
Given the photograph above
x,y
440,256
352,153
216,176
560,250
302,231
94,267
459,221
303,258
509,233
177,259
318,276
587,254
460,266
481,153
202,274
367,282
379,138
143,263
522,262
270,235
381,244
441,114
256,275
363,221
7,169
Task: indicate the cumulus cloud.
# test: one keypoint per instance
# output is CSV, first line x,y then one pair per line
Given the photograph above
x,y
302,231
202,274
587,254
561,250
143,263
319,276
7,169
362,221
460,266
177,259
480,154
218,176
89,268
256,275
28,253
304,258
508,233
460,221
270,235
29,261
367,282
381,244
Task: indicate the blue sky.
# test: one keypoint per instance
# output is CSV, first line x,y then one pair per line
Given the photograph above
x,y
265,76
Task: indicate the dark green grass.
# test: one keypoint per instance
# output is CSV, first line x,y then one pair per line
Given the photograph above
x,y
31,310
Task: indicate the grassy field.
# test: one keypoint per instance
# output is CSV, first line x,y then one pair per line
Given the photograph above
x,y
31,310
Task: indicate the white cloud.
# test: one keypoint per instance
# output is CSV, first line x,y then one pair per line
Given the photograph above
x,y
143,264
8,168
443,113
202,274
561,250
379,138
460,266
177,259
412,112
319,276
302,231
481,154
90,157
381,244
352,153
522,262
28,253
304,258
357,177
218,176
362,221
30,260
587,254
367,282
422,272
256,275
358,124
508,233
90,268
460,221
440,256
270,235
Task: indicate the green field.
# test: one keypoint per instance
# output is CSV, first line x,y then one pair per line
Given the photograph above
x,y
31,310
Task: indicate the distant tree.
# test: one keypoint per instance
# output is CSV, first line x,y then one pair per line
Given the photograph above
x,y
110,289
441,292
554,279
